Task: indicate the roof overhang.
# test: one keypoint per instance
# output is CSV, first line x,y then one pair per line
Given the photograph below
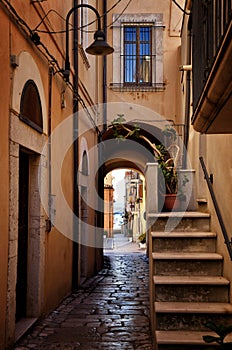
x,y
213,113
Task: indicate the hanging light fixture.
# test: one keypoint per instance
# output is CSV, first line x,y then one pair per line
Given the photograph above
x,y
98,47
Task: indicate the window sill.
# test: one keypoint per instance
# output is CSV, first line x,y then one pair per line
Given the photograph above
x,y
143,88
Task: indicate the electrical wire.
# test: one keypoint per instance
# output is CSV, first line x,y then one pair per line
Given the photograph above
x,y
178,5
81,28
45,16
20,20
129,2
49,57
109,25
63,31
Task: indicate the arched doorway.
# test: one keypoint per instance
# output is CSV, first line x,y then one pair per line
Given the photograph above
x,y
131,154
28,128
125,206
29,215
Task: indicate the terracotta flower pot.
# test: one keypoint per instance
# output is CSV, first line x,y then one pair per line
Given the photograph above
x,y
171,202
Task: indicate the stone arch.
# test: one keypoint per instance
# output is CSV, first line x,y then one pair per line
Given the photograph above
x,y
26,70
26,151
30,106
133,153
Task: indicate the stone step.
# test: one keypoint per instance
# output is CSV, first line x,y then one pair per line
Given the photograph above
x,y
185,340
190,316
179,221
201,308
187,263
191,288
183,241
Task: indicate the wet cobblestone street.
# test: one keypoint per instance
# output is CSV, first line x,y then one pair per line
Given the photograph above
x,y
110,311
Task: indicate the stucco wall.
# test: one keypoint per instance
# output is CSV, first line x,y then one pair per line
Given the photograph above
x,y
50,254
167,102
215,150
4,183
219,160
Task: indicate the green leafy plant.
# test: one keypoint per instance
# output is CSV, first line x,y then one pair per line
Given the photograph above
x,y
167,158
222,331
142,238
168,168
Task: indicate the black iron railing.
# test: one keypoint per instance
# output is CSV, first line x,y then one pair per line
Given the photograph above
x,y
138,69
218,212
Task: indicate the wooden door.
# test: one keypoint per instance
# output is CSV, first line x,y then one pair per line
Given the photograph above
x,y
21,286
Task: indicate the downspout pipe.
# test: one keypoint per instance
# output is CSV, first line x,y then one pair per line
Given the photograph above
x,y
75,274
48,221
188,90
100,183
104,97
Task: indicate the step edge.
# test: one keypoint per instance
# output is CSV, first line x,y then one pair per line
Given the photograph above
x,y
183,234
182,337
176,214
192,280
186,256
191,307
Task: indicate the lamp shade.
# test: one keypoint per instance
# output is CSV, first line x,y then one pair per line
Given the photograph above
x,y
99,46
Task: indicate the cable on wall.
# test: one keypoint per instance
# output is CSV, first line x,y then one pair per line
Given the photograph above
x,y
49,57
178,5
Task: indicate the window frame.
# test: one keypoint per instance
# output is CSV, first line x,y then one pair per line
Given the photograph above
x,y
37,104
155,21
137,42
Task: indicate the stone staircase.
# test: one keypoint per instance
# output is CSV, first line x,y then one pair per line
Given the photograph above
x,y
186,283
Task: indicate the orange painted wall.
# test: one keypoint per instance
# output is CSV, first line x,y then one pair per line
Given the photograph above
x,y
4,183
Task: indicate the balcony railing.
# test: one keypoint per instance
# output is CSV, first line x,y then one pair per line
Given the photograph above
x,y
211,19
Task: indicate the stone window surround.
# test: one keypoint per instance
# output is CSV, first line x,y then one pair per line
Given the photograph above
x,y
156,20
22,135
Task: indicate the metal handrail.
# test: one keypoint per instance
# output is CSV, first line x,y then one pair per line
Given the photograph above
x,y
218,212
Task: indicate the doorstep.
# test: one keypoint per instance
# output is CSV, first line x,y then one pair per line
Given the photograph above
x,y
22,326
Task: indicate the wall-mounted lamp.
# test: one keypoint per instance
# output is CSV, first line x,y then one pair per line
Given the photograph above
x,y
98,47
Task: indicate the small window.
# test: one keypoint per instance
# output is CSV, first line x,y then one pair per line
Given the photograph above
x,y
85,167
137,55
30,106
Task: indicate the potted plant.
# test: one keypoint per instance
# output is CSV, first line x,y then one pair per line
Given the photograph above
x,y
167,158
142,240
169,185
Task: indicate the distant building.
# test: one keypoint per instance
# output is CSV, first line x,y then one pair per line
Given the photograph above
x,y
108,206
134,204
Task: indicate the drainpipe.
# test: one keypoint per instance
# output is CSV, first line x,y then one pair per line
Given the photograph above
x,y
48,221
100,213
104,93
75,274
188,91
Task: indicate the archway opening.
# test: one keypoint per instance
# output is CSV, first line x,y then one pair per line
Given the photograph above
x,y
125,162
124,208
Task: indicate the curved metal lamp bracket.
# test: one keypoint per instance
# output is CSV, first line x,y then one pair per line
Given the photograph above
x,y
106,49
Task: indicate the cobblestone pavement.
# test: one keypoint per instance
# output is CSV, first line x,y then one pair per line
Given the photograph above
x,y
110,311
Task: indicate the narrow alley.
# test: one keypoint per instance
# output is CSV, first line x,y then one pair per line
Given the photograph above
x,y
110,311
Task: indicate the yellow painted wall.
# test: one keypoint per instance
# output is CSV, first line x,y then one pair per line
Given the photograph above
x,y
215,150
219,163
167,103
56,262
58,268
